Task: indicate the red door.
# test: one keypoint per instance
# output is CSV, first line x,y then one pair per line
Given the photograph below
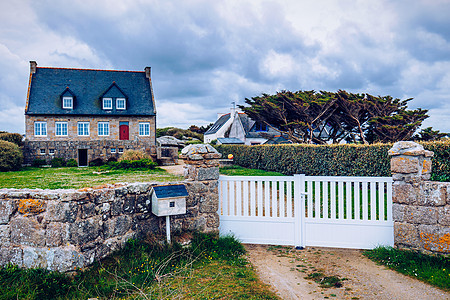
x,y
124,132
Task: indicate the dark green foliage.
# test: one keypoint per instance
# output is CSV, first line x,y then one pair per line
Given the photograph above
x,y
331,160
178,133
96,162
428,134
432,269
39,162
322,117
11,156
16,283
72,163
14,138
58,162
323,160
441,159
226,247
133,164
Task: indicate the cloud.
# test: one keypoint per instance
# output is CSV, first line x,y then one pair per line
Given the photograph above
x,y
204,54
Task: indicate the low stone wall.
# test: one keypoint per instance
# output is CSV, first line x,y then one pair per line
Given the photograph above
x,y
421,208
69,149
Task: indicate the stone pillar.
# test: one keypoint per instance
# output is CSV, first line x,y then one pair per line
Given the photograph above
x,y
420,207
202,181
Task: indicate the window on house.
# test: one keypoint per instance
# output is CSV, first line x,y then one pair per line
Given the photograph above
x,y
42,151
83,128
120,150
113,150
144,129
40,128
61,128
107,103
68,102
103,128
51,151
261,127
120,103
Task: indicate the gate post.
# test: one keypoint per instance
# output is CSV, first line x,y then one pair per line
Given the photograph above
x,y
299,211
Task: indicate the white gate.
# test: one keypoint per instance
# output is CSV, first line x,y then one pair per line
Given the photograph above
x,y
299,210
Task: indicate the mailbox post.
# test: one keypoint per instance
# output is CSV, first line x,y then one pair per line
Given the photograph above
x,y
168,200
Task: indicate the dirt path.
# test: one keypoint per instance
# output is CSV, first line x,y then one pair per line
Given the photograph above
x,y
175,169
285,268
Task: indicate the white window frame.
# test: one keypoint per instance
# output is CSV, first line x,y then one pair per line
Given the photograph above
x,y
107,100
102,127
121,100
83,133
59,128
113,150
120,150
42,152
144,129
51,151
40,128
64,103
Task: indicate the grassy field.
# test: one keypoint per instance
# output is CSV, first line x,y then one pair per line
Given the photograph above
x,y
209,268
66,178
241,171
434,270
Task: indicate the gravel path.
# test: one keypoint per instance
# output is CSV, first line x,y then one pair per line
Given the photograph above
x,y
285,268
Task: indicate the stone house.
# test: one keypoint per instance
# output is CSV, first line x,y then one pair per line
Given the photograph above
x,y
237,128
87,114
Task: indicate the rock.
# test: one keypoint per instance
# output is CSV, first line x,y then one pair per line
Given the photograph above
x,y
117,226
406,234
409,148
27,231
84,231
61,211
6,210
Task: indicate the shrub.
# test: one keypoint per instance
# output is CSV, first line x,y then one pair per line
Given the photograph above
x,y
58,162
15,138
96,162
441,159
39,162
134,155
318,160
11,156
72,163
143,164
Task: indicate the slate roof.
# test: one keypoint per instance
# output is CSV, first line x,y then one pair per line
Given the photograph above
x,y
169,191
47,86
228,141
218,124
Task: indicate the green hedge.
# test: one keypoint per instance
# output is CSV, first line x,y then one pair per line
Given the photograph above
x,y
331,160
319,160
11,156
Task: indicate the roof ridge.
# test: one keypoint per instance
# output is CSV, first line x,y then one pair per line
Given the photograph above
x,y
88,69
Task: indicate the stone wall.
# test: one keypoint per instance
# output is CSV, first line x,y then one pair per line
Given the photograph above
x,y
421,208
103,149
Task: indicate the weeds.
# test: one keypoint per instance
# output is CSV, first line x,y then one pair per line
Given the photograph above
x,y
147,270
434,270
325,281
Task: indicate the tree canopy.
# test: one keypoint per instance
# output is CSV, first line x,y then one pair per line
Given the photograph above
x,y
321,117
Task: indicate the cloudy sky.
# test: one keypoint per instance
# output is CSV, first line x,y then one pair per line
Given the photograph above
x,y
206,54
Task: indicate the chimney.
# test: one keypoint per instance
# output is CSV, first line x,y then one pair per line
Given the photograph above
x,y
148,72
33,66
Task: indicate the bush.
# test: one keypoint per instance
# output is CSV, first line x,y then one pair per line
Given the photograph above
x,y
318,160
14,138
39,163
143,164
11,156
441,159
58,162
134,155
72,163
96,162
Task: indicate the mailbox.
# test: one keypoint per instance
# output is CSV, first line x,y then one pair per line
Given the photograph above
x,y
169,200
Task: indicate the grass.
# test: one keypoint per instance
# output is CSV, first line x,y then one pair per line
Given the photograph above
x,y
210,268
66,178
241,171
434,270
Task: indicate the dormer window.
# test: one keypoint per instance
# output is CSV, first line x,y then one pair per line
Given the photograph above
x,y
107,103
67,102
120,103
